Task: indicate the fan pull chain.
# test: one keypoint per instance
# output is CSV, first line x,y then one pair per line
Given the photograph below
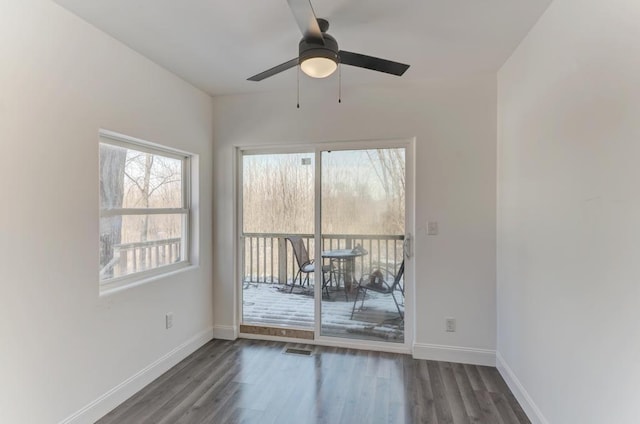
x,y
298,75
340,83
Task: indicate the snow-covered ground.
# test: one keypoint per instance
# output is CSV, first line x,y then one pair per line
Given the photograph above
x,y
272,304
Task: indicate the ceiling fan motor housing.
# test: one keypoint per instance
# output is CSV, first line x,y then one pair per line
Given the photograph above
x,y
309,49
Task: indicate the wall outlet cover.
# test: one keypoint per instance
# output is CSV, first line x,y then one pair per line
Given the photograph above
x,y
450,325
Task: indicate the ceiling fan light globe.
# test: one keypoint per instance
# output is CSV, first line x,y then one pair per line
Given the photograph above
x,y
318,67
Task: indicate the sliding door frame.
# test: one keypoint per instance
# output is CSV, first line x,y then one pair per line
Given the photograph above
x,y
409,277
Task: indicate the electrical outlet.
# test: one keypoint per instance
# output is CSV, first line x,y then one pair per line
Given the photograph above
x,y
450,325
169,320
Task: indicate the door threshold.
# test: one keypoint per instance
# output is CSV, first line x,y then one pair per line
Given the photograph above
x,y
275,334
290,333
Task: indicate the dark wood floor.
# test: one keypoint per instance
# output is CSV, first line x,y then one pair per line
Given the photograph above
x,y
250,381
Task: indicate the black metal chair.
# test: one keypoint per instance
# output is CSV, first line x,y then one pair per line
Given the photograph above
x,y
376,283
306,265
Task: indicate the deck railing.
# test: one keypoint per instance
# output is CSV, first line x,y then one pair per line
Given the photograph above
x,y
133,257
268,257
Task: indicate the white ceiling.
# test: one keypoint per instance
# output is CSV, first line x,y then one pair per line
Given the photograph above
x,y
217,44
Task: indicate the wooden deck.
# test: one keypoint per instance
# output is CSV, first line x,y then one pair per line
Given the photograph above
x,y
273,305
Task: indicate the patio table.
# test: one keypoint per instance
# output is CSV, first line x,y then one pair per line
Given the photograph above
x,y
346,264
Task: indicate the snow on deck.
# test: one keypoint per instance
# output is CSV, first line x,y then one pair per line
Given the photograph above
x,y
273,305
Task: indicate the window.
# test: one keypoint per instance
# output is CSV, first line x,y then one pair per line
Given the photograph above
x,y
144,210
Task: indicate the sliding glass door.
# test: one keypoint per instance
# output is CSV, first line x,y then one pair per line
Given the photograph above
x,y
277,239
322,241
363,227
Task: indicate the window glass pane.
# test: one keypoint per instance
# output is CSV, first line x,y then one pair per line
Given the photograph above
x,y
278,201
134,179
278,193
363,226
134,243
363,192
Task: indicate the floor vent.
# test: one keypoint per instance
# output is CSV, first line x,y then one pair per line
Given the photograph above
x,y
300,352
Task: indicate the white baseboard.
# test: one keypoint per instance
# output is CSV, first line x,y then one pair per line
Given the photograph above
x,y
225,332
123,391
462,355
518,390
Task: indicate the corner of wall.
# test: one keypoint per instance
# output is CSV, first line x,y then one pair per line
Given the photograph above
x,y
518,390
225,332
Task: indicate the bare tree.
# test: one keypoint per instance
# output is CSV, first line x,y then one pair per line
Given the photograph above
x,y
389,166
112,163
277,194
152,181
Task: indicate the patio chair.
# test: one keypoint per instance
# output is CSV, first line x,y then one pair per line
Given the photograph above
x,y
376,283
306,265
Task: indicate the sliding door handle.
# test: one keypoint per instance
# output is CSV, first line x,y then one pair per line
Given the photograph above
x,y
406,246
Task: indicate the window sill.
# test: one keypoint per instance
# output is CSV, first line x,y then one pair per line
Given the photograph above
x,y
130,281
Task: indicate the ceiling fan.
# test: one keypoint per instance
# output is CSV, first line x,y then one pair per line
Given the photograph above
x,y
319,55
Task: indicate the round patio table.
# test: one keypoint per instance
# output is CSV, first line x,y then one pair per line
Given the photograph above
x,y
346,259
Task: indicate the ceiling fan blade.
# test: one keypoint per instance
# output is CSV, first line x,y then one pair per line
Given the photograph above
x,y
306,19
275,70
373,63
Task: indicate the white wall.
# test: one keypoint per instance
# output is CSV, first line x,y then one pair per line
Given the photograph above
x,y
455,126
568,214
61,344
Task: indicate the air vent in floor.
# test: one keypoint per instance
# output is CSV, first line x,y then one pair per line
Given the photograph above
x,y
300,352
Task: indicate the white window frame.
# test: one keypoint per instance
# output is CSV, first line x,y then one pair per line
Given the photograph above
x,y
140,277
